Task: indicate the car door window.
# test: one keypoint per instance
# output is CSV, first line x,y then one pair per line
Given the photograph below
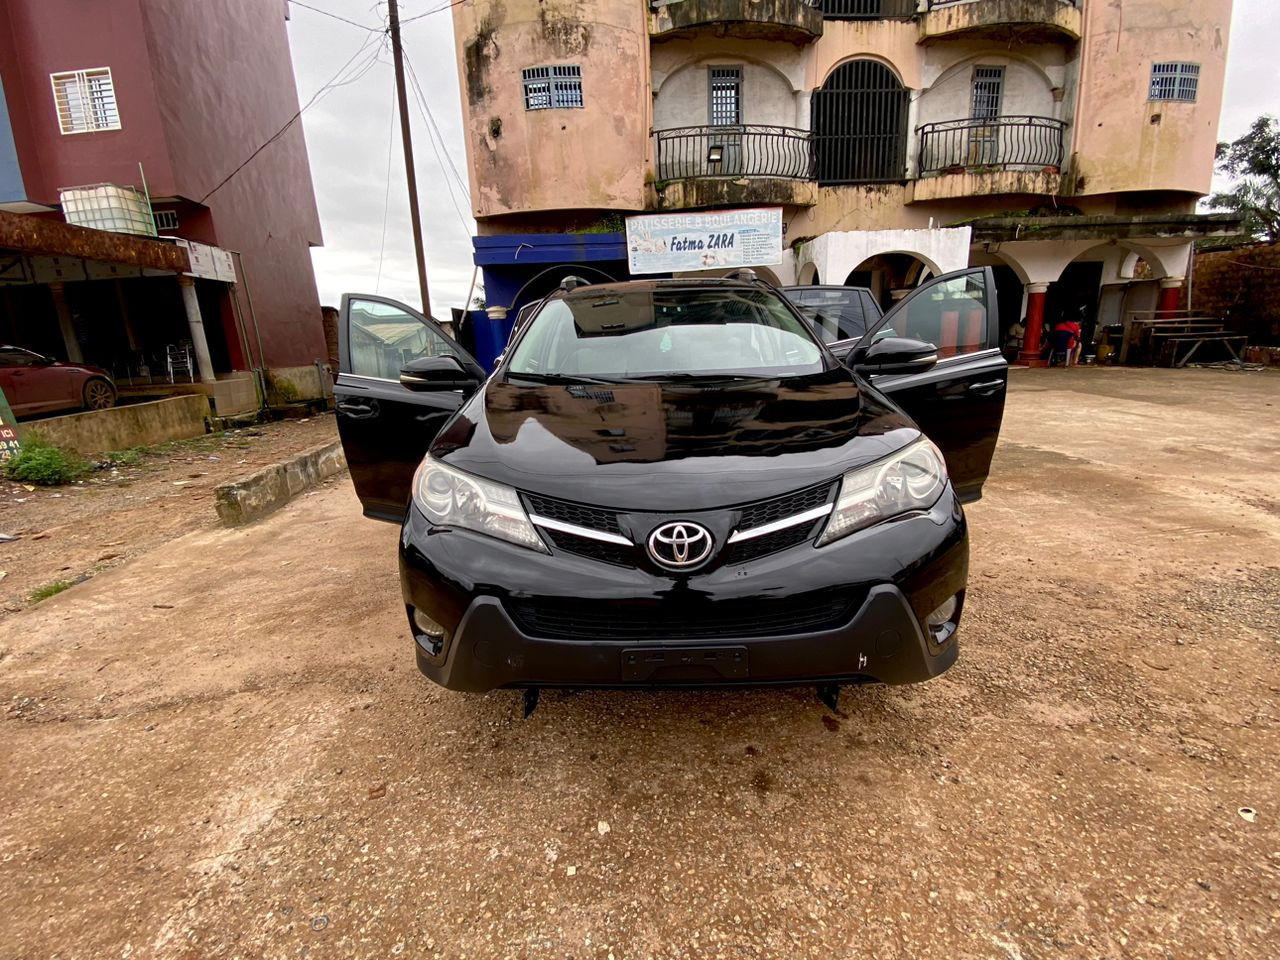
x,y
835,314
950,313
383,338
17,358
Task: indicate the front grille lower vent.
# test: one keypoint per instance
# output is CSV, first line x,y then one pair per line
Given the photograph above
x,y
658,621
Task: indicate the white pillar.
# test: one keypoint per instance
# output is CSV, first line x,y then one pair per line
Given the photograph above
x,y
69,341
196,324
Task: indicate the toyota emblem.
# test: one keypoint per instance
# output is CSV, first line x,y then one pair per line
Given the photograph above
x,y
680,545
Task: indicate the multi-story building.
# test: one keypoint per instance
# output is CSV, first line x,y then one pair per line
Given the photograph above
x,y
181,94
1063,142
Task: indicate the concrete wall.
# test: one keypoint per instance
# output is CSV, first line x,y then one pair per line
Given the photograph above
x,y
836,254
1242,285
529,160
11,185
773,81
135,425
224,85
1124,141
199,86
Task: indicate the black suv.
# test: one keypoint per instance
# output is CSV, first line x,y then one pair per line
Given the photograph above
x,y
676,482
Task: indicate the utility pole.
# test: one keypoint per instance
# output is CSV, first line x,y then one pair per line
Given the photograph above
x,y
398,56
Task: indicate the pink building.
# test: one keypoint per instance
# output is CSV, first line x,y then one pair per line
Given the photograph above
x,y
88,92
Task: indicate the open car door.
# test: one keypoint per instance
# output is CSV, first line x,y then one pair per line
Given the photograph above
x,y
400,379
959,401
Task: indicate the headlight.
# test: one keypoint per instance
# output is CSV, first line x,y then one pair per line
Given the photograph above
x,y
455,499
911,479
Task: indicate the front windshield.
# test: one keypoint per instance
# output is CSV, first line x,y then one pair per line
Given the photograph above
x,y
677,333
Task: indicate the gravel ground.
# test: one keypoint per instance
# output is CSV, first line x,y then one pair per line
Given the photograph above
x,y
221,748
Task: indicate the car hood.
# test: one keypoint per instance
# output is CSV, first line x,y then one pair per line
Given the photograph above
x,y
672,447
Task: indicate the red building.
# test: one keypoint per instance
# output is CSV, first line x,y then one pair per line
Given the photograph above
x,y
189,90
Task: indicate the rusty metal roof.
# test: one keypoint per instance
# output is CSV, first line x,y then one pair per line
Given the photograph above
x,y
38,235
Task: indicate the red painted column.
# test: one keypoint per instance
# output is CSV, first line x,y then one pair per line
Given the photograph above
x,y
1030,356
1170,297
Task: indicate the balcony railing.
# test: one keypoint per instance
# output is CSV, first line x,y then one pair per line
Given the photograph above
x,y
867,9
1000,143
932,4
742,150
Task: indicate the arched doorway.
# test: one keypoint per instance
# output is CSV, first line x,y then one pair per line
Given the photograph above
x,y
889,276
859,124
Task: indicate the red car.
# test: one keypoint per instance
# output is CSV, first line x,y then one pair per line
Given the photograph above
x,y
35,384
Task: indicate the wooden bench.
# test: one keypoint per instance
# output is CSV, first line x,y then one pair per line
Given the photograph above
x,y
1171,346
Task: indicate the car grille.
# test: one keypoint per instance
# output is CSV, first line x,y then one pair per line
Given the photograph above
x,y
779,508
749,517
658,621
580,515
757,547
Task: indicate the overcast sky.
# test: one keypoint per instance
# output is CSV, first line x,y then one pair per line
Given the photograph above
x,y
350,127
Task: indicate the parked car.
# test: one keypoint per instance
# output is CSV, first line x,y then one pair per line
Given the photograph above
x,y
676,482
38,384
840,315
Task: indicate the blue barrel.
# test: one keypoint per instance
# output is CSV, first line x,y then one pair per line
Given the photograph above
x,y
490,336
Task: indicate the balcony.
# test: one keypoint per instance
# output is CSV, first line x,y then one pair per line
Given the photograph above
x,y
867,9
964,158
1020,21
794,21
733,165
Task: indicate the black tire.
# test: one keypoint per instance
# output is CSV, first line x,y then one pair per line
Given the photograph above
x,y
99,394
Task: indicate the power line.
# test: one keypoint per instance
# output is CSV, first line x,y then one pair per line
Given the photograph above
x,y
386,200
440,9
435,128
299,3
334,83
418,98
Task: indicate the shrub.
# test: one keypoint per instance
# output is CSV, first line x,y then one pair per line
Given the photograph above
x,y
48,590
45,464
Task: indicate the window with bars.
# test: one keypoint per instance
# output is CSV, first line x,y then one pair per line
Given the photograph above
x,y
553,87
726,96
988,90
1175,81
166,219
85,100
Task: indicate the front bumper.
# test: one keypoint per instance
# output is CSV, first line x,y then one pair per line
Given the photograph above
x,y
900,571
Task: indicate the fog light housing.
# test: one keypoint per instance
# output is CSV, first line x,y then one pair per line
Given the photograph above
x,y
428,634
944,614
942,622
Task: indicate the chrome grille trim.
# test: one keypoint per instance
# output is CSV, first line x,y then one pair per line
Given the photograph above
x,y
793,521
577,531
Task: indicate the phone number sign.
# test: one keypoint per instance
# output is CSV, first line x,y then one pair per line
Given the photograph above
x,y
676,242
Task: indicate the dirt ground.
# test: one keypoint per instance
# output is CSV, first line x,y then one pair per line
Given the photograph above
x,y
73,532
221,748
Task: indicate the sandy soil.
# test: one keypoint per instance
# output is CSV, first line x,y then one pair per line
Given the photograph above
x,y
73,532
221,748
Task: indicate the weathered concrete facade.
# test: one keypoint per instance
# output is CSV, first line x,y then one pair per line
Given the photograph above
x,y
980,108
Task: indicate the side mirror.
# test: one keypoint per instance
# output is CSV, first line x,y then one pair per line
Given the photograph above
x,y
894,355
437,373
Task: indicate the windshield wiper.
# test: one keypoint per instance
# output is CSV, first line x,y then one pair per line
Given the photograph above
x,y
704,377
561,378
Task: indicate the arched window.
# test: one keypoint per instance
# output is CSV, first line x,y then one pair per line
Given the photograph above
x,y
859,124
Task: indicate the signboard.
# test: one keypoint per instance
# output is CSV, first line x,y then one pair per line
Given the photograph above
x,y
8,430
674,242
209,262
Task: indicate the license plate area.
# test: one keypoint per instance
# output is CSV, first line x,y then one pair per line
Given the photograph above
x,y
640,664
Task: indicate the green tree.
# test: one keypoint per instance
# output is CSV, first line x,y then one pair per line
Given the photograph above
x,y
1253,164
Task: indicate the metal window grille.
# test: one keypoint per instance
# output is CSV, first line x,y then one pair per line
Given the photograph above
x,y
859,123
726,96
988,90
866,9
1175,81
85,100
553,87
166,219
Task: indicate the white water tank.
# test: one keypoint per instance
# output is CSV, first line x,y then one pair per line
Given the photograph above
x,y
106,206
